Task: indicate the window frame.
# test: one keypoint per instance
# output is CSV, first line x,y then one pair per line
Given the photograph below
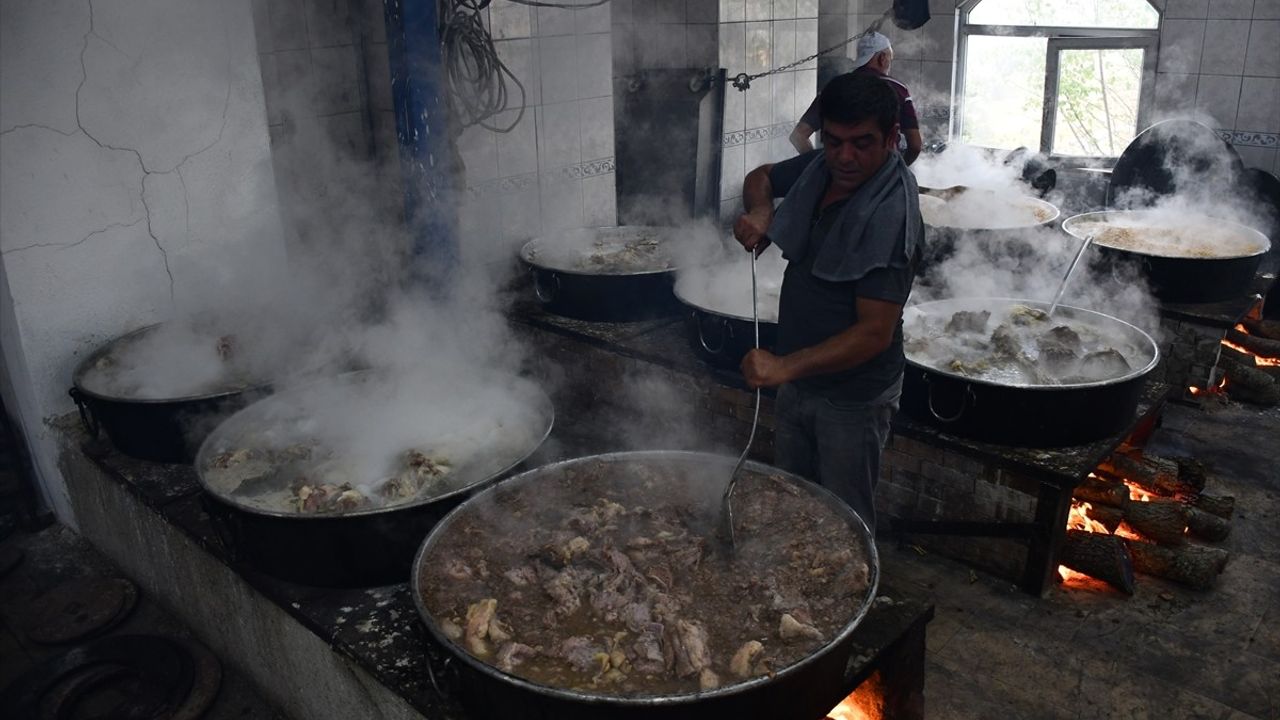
x,y
1103,38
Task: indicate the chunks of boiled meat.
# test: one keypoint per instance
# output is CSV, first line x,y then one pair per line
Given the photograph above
x,y
1023,315
1103,365
792,629
689,641
745,658
647,652
708,679
1060,339
512,654
479,616
565,587
521,576
968,321
583,653
1004,343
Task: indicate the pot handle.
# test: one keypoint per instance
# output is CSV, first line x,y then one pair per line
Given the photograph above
x,y
702,334
87,419
446,686
542,292
965,399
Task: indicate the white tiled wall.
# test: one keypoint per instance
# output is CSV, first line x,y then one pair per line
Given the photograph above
x,y
554,170
1222,58
323,114
755,36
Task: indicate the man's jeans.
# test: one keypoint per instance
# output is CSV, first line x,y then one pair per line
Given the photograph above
x,y
835,443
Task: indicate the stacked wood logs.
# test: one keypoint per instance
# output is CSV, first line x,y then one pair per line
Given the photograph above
x,y
1157,534
1248,382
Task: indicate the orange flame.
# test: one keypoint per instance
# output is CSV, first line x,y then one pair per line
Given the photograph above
x,y
1079,519
865,703
1136,492
1258,360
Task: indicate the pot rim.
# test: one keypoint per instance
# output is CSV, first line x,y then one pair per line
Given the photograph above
x,y
1057,213
526,253
683,297
77,378
1131,375
859,525
206,447
1069,224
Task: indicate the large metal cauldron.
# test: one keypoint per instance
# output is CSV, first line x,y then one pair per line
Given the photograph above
x,y
995,223
1031,415
167,430
719,325
588,274
366,546
1181,278
806,689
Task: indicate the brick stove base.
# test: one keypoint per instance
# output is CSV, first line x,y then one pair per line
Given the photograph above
x,y
1191,340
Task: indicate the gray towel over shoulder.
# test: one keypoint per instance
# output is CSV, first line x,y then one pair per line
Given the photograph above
x,y
880,217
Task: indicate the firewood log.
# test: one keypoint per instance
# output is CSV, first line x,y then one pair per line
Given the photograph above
x,y
1255,344
1160,519
1194,565
1206,525
1265,328
1152,473
1104,557
1110,517
1247,383
1102,492
1192,472
1224,506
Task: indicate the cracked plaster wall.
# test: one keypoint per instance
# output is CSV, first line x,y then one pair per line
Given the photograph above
x,y
135,182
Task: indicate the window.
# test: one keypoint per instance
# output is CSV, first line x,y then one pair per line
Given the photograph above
x,y
1069,78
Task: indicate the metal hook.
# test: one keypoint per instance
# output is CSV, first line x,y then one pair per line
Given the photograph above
x,y
742,81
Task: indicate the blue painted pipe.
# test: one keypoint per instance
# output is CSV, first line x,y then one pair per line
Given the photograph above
x,y
428,160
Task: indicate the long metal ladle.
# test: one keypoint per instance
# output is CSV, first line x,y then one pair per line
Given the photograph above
x,y
1062,289
726,507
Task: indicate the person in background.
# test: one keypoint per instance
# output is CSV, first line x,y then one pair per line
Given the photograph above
x,y
875,57
850,229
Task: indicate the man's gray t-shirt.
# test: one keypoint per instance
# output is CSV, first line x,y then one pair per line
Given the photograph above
x,y
812,310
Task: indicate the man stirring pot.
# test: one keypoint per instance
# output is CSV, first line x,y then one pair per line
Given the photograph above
x,y
850,228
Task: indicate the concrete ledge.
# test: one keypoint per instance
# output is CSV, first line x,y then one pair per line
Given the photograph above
x,y
298,670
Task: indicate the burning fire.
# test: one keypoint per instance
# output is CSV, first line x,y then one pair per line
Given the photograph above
x,y
866,703
1258,360
1218,389
1079,519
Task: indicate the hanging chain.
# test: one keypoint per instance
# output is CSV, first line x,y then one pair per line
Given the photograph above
x,y
742,81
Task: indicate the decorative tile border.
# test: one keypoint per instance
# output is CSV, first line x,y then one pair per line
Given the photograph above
x,y
1250,139
768,132
510,185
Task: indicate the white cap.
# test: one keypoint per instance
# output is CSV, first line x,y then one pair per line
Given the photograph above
x,y
868,45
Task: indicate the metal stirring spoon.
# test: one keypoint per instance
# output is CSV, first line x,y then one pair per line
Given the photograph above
x,y
1062,289
726,508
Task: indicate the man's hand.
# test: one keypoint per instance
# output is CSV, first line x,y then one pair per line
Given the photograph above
x,y
762,368
750,229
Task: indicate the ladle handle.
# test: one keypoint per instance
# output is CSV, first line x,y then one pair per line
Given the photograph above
x,y
1062,289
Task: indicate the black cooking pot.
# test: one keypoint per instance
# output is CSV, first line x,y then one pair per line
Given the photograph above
x,y
720,334
999,241
167,430
1181,279
1028,415
806,689
567,284
363,547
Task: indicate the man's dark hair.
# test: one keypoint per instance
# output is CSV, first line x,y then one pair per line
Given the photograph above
x,y
855,97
